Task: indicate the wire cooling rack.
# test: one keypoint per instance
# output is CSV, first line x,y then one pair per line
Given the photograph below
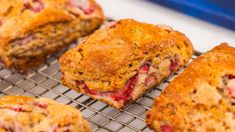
x,y
45,82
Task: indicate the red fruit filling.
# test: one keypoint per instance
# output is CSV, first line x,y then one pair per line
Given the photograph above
x,y
82,85
33,5
166,128
174,64
85,6
16,109
229,81
231,91
89,10
125,93
40,105
144,69
111,24
231,76
68,130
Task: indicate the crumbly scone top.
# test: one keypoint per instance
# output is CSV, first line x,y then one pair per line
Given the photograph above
x,y
108,58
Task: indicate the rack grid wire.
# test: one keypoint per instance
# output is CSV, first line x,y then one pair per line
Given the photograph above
x,y
45,82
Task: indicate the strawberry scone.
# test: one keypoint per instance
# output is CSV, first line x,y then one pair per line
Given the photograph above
x,y
121,61
201,99
26,114
32,30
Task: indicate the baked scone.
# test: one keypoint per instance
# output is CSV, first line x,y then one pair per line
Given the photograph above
x,y
118,63
201,99
32,30
26,114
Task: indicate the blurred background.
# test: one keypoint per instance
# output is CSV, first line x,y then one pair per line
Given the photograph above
x,y
206,22
220,12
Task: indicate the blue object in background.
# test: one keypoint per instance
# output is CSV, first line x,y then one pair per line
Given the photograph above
x,y
220,12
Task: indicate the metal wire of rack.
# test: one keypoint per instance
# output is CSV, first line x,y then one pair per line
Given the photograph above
x,y
45,82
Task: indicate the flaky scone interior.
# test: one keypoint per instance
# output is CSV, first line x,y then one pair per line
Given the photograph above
x,y
201,99
118,63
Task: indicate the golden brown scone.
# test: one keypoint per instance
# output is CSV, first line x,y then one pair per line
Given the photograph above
x,y
201,99
26,114
118,63
32,30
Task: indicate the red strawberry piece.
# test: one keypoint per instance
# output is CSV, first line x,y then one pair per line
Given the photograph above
x,y
111,24
173,65
231,76
150,80
231,91
122,94
166,128
68,130
87,90
33,5
82,85
117,97
84,5
16,109
125,93
41,105
89,10
231,87
144,69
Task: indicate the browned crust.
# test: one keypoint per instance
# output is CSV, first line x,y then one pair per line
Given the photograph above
x,y
102,59
15,100
60,114
175,103
17,24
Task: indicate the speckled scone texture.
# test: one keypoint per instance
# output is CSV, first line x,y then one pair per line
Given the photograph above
x,y
120,57
26,114
32,30
201,99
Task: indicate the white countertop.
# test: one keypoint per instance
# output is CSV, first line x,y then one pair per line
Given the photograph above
x,y
203,35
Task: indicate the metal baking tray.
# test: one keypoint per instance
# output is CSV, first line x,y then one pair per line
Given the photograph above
x,y
45,82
